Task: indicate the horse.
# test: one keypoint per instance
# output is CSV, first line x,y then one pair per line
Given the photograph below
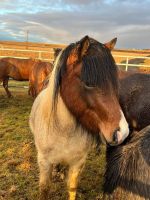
x,y
18,69
77,110
37,76
127,175
123,74
134,95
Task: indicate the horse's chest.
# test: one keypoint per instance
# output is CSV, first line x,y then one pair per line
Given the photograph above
x,y
68,148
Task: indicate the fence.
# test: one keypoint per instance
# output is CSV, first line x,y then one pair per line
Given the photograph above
x,y
49,56
125,60
128,59
25,54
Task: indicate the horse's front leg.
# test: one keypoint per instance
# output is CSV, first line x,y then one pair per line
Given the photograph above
x,y
45,176
5,85
74,172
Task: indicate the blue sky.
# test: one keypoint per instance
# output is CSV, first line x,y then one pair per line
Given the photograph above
x,y
66,21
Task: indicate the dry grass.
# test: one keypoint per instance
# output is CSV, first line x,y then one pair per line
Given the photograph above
x,y
19,170
28,49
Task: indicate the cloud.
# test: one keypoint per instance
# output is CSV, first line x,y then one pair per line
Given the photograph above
x,y
66,21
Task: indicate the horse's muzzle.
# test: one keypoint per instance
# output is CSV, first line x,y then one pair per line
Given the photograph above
x,y
117,138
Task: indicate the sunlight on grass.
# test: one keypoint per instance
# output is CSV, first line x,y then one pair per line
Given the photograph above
x,y
18,161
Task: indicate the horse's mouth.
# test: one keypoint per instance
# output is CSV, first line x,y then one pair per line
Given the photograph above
x,y
105,142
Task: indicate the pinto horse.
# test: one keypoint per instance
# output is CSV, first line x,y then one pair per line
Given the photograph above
x,y
127,175
37,76
18,69
79,106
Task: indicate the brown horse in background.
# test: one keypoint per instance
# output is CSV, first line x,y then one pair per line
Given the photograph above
x,y
46,80
37,76
17,69
40,73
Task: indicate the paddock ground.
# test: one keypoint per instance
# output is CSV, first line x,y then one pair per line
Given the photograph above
x,y
18,165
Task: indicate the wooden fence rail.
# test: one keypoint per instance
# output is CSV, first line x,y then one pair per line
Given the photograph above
x,y
49,56
25,54
129,58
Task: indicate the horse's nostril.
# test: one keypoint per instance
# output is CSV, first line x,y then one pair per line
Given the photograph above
x,y
115,136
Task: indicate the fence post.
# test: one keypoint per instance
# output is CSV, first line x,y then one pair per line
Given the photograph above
x,y
127,62
40,56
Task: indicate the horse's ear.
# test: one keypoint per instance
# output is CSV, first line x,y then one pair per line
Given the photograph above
x,y
84,45
110,45
56,52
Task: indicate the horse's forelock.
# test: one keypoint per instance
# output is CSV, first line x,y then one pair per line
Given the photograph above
x,y
100,71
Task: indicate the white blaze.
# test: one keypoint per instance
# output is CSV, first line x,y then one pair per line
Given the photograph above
x,y
124,129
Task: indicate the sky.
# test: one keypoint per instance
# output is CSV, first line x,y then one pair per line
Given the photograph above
x,y
67,21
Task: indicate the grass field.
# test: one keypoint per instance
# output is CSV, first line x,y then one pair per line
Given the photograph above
x,y
18,165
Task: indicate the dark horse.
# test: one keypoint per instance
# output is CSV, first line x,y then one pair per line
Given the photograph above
x,y
134,94
37,76
127,175
79,106
17,69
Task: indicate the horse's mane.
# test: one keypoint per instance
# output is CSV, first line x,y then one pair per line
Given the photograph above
x,y
97,71
59,70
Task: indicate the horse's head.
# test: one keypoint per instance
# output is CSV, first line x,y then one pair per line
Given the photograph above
x,y
88,82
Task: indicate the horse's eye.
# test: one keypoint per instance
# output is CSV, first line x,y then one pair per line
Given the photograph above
x,y
87,86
